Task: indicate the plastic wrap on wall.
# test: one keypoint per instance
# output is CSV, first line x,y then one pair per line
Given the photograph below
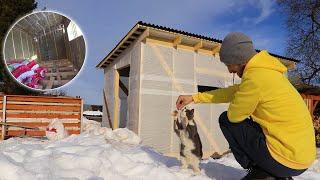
x,y
134,87
168,73
210,71
123,115
50,47
124,61
216,110
183,83
25,45
30,45
109,96
17,43
232,79
61,46
155,122
203,115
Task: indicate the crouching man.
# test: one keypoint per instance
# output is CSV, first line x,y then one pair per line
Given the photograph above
x,y
268,126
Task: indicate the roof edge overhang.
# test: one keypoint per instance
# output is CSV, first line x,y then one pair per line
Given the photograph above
x,y
126,41
138,29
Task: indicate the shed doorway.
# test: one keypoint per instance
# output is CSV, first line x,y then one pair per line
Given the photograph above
x,y
123,96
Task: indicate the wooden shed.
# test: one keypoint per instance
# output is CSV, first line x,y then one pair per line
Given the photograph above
x,y
53,40
37,112
146,72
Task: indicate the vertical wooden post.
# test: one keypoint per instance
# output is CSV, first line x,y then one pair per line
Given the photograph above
x,y
3,130
22,45
14,50
55,43
116,100
107,108
81,117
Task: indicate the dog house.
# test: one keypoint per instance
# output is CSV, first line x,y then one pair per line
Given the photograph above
x,y
146,72
52,40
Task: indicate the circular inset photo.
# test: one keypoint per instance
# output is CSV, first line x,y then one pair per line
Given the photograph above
x,y
44,50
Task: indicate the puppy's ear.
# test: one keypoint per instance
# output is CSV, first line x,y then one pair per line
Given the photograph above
x,y
192,110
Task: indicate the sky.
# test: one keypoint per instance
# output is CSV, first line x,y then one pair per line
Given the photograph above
x,y
105,22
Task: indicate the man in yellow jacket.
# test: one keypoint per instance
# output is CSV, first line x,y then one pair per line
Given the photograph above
x,y
268,126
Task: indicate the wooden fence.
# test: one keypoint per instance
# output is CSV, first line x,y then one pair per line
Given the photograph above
x,y
311,102
38,111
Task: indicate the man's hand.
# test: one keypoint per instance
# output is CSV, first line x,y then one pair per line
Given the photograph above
x,y
183,100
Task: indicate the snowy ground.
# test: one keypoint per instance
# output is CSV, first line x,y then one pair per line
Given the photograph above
x,y
93,113
101,153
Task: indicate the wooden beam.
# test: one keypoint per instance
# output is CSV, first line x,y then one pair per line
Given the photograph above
x,y
181,46
216,49
116,100
158,41
3,130
81,118
314,105
168,43
55,82
107,108
62,74
20,126
198,46
205,51
130,37
58,76
177,41
291,65
123,87
50,83
44,103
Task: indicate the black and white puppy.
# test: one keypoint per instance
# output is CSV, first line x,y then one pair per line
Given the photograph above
x,y
190,143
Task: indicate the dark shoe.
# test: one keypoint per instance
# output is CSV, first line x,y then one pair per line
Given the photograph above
x,y
256,173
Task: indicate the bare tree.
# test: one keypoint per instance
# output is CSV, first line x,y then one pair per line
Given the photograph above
x,y
11,10
56,93
303,24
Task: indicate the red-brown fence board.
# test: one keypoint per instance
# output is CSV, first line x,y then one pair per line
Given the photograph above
x,y
311,101
35,133
37,111
43,124
41,107
43,115
43,99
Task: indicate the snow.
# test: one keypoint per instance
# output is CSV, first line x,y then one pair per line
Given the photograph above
x,y
100,153
93,113
55,130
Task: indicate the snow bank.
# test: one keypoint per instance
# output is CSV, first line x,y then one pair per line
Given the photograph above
x,y
101,153
93,113
56,130
121,135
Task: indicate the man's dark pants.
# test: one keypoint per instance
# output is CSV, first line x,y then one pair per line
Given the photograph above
x,y
248,145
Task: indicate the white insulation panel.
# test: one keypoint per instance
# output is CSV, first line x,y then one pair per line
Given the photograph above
x,y
166,74
134,88
155,122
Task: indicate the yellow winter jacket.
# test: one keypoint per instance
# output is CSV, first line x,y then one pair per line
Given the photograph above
x,y
268,97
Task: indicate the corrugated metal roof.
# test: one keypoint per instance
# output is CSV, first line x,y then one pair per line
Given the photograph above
x,y
140,30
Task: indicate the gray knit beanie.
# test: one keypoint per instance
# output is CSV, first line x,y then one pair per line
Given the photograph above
x,y
236,48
